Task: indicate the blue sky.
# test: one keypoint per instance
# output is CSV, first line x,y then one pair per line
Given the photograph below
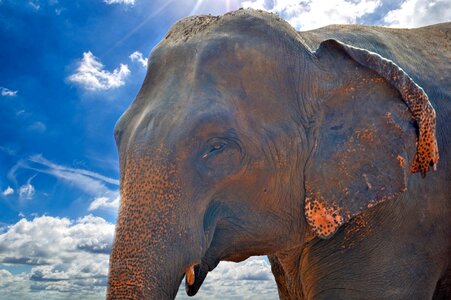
x,y
68,71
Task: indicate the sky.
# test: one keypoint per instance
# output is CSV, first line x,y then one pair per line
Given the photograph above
x,y
69,69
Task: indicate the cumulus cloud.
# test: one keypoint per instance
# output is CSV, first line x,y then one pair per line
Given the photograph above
x,y
105,203
91,75
251,279
67,259
127,2
64,256
310,14
416,13
138,57
7,92
6,278
8,191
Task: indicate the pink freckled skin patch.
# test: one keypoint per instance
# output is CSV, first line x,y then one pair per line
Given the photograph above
x,y
323,219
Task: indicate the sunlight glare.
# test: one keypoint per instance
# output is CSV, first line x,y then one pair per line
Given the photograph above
x,y
196,7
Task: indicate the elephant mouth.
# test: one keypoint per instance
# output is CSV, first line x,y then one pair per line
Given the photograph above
x,y
194,277
217,217
196,273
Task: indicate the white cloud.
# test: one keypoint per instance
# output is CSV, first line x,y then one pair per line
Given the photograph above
x,y
35,4
14,286
251,279
310,14
90,182
102,188
127,2
27,190
8,191
138,56
69,258
6,278
416,13
52,168
91,75
64,256
7,92
38,126
105,203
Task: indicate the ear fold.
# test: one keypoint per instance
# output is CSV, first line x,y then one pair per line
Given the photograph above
x,y
362,152
413,95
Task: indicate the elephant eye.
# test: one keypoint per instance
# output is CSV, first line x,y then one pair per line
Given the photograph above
x,y
213,149
219,156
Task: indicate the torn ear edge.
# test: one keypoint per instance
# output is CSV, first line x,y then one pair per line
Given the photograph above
x,y
413,95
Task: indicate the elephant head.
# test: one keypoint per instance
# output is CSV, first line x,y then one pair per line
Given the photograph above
x,y
244,142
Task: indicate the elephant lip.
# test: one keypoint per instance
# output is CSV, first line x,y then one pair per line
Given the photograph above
x,y
195,274
199,272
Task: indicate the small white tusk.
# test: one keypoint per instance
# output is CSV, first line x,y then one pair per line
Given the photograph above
x,y
190,276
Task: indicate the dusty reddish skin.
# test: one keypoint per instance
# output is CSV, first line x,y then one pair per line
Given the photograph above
x,y
414,97
150,193
346,194
401,160
423,112
324,219
356,231
323,215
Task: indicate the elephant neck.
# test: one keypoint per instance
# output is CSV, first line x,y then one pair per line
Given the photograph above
x,y
286,268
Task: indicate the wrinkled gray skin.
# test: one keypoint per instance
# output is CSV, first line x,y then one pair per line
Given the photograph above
x,y
238,117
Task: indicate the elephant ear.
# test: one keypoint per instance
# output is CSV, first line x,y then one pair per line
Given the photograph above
x,y
363,145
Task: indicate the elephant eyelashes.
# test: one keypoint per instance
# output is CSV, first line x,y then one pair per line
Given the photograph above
x,y
220,157
213,150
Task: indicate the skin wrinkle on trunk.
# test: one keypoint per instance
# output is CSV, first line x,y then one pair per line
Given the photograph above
x,y
146,229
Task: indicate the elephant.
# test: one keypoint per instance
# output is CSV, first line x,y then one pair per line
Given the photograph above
x,y
318,149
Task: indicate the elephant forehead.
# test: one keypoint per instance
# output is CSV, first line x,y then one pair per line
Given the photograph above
x,y
249,23
238,76
236,72
247,63
222,77
221,55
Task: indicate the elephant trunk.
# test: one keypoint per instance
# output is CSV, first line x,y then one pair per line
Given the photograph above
x,y
150,253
